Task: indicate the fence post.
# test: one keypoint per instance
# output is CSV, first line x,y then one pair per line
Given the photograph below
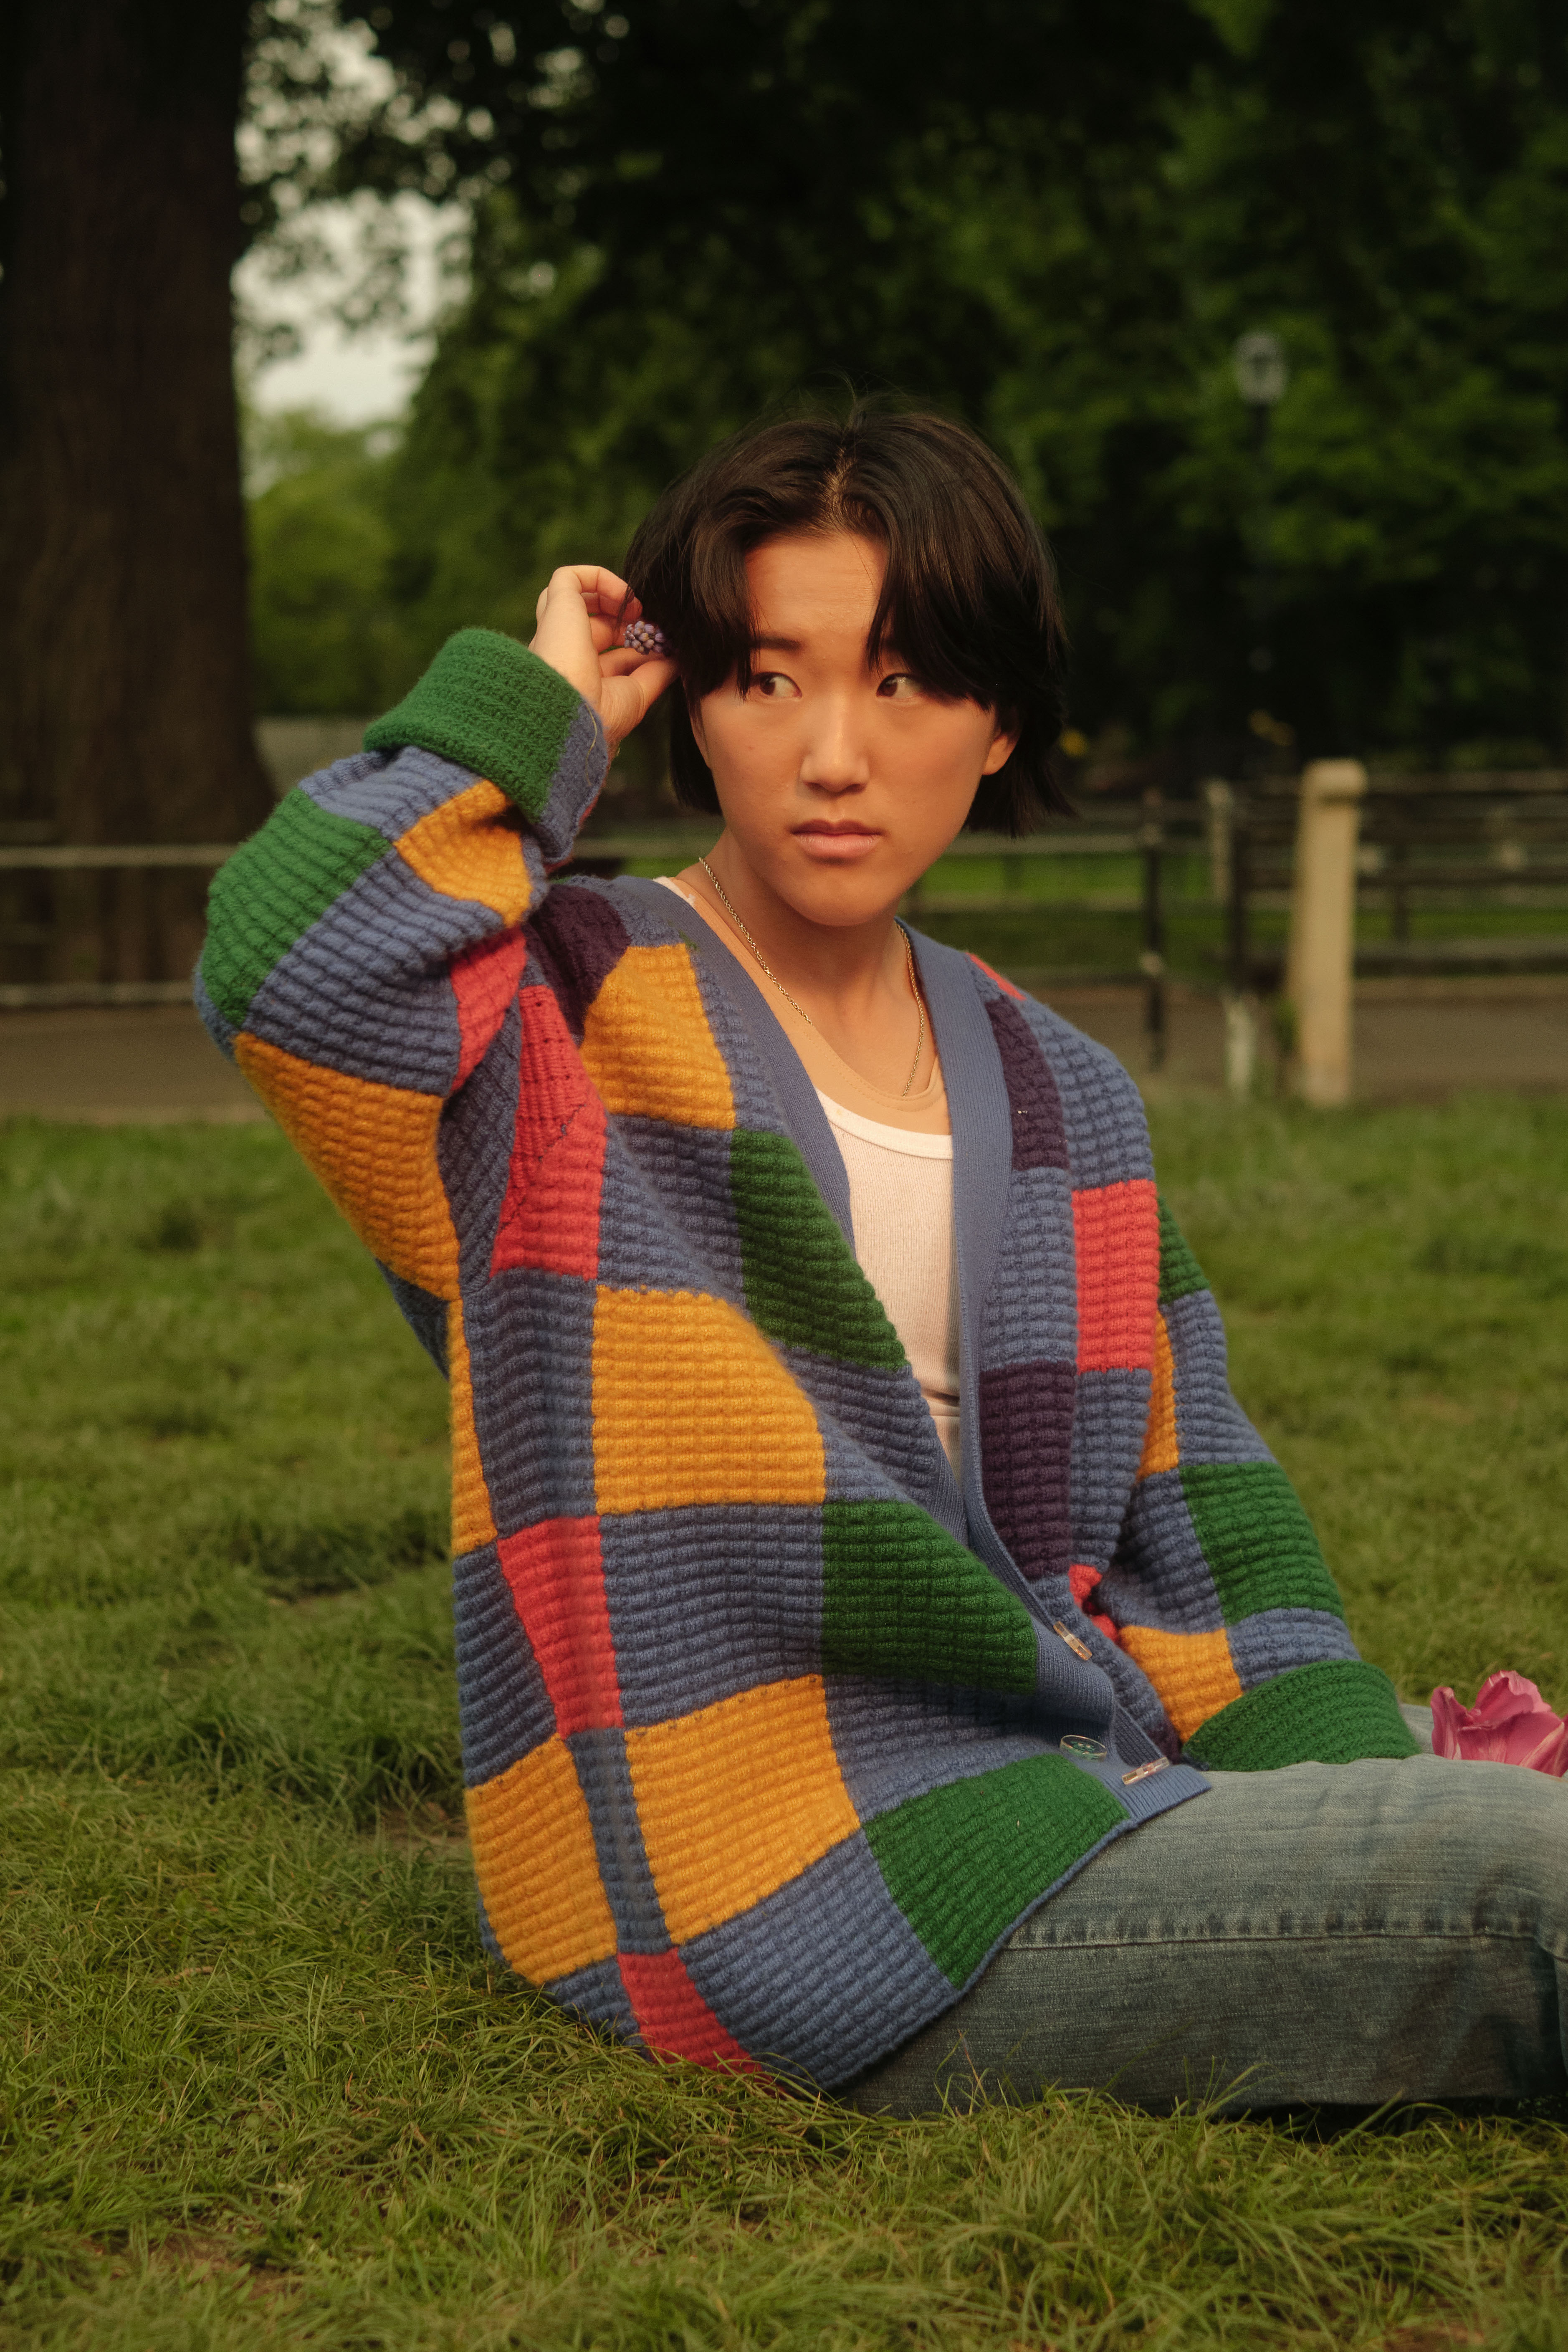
x,y
1320,966
1220,801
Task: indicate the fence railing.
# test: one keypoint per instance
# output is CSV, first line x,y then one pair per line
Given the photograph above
x,y
1427,845
100,858
1434,844
34,857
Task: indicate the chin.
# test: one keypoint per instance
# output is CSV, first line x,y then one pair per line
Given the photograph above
x,y
840,901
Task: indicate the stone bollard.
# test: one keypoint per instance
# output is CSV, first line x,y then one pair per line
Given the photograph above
x,y
1321,968
1240,1010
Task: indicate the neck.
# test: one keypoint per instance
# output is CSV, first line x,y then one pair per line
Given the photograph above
x,y
854,982
842,964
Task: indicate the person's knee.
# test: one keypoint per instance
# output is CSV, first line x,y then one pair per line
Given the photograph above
x,y
1494,1842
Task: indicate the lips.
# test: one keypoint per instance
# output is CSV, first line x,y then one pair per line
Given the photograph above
x,y
836,844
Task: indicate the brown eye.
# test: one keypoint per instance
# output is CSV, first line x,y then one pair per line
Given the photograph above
x,y
898,686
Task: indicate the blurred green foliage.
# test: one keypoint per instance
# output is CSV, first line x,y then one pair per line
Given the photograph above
x,y
1055,221
327,632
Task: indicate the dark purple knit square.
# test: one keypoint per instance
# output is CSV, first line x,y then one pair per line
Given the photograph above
x,y
1039,1138
579,939
1025,1457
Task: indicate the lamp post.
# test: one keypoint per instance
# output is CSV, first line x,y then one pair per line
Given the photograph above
x,y
1261,377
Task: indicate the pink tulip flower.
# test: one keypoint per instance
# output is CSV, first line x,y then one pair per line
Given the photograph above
x,y
1510,1723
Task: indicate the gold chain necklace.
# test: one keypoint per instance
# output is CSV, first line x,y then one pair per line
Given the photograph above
x,y
909,960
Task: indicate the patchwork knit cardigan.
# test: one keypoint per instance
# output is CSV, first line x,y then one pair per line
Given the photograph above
x,y
772,1728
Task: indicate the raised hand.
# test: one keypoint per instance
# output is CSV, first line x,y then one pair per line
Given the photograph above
x,y
580,618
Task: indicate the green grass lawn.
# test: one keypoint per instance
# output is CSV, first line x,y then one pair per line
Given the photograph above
x,y
259,2087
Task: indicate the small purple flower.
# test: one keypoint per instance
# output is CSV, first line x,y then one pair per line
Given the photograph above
x,y
645,637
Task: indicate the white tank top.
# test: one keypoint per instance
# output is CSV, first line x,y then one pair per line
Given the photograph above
x,y
901,1198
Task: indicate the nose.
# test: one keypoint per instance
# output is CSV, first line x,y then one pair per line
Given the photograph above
x,y
837,757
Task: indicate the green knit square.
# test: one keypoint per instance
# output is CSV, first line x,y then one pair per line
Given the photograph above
x,y
963,1862
804,1287
1334,1712
491,706
1257,1541
900,1598
1180,1272
273,888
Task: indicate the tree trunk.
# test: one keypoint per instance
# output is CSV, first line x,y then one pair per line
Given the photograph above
x,y
125,705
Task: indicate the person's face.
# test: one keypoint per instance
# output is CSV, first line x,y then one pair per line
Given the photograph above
x,y
840,780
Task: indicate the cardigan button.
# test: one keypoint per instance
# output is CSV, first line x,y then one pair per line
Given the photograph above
x,y
1078,1743
1142,1771
1079,1649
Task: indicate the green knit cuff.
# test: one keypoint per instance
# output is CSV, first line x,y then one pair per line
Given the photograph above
x,y
491,706
1334,1712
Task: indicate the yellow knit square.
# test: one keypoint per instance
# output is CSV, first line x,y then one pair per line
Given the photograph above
x,y
374,1149
1192,1673
464,851
738,1799
647,1047
692,1405
473,1522
1160,1450
538,1873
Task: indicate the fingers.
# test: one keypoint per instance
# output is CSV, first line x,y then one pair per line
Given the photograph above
x,y
581,615
576,593
600,589
641,689
627,695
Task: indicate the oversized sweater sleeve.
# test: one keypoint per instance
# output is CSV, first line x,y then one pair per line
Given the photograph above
x,y
362,947
1218,1588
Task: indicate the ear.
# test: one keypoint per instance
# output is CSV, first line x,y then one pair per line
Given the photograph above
x,y
1004,743
694,713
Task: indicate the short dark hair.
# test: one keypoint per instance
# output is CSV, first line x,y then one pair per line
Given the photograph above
x,y
969,599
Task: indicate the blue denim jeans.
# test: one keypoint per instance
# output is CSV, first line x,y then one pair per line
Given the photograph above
x,y
1321,1935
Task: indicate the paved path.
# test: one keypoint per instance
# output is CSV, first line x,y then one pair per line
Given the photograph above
x,y
1416,1040
116,1067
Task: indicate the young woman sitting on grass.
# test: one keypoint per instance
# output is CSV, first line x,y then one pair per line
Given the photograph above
x,y
889,1658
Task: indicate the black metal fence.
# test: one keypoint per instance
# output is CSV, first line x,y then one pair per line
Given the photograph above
x,y
1448,848
1437,853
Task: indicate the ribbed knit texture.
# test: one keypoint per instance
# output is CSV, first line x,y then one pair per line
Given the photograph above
x,y
761,1715
1323,1714
490,704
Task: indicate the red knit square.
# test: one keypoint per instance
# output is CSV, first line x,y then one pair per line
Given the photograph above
x,y
550,1217
1083,1580
1116,1233
557,1581
1000,978
672,2015
484,982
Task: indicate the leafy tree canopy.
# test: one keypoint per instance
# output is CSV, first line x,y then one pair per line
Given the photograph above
x,y
1055,220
